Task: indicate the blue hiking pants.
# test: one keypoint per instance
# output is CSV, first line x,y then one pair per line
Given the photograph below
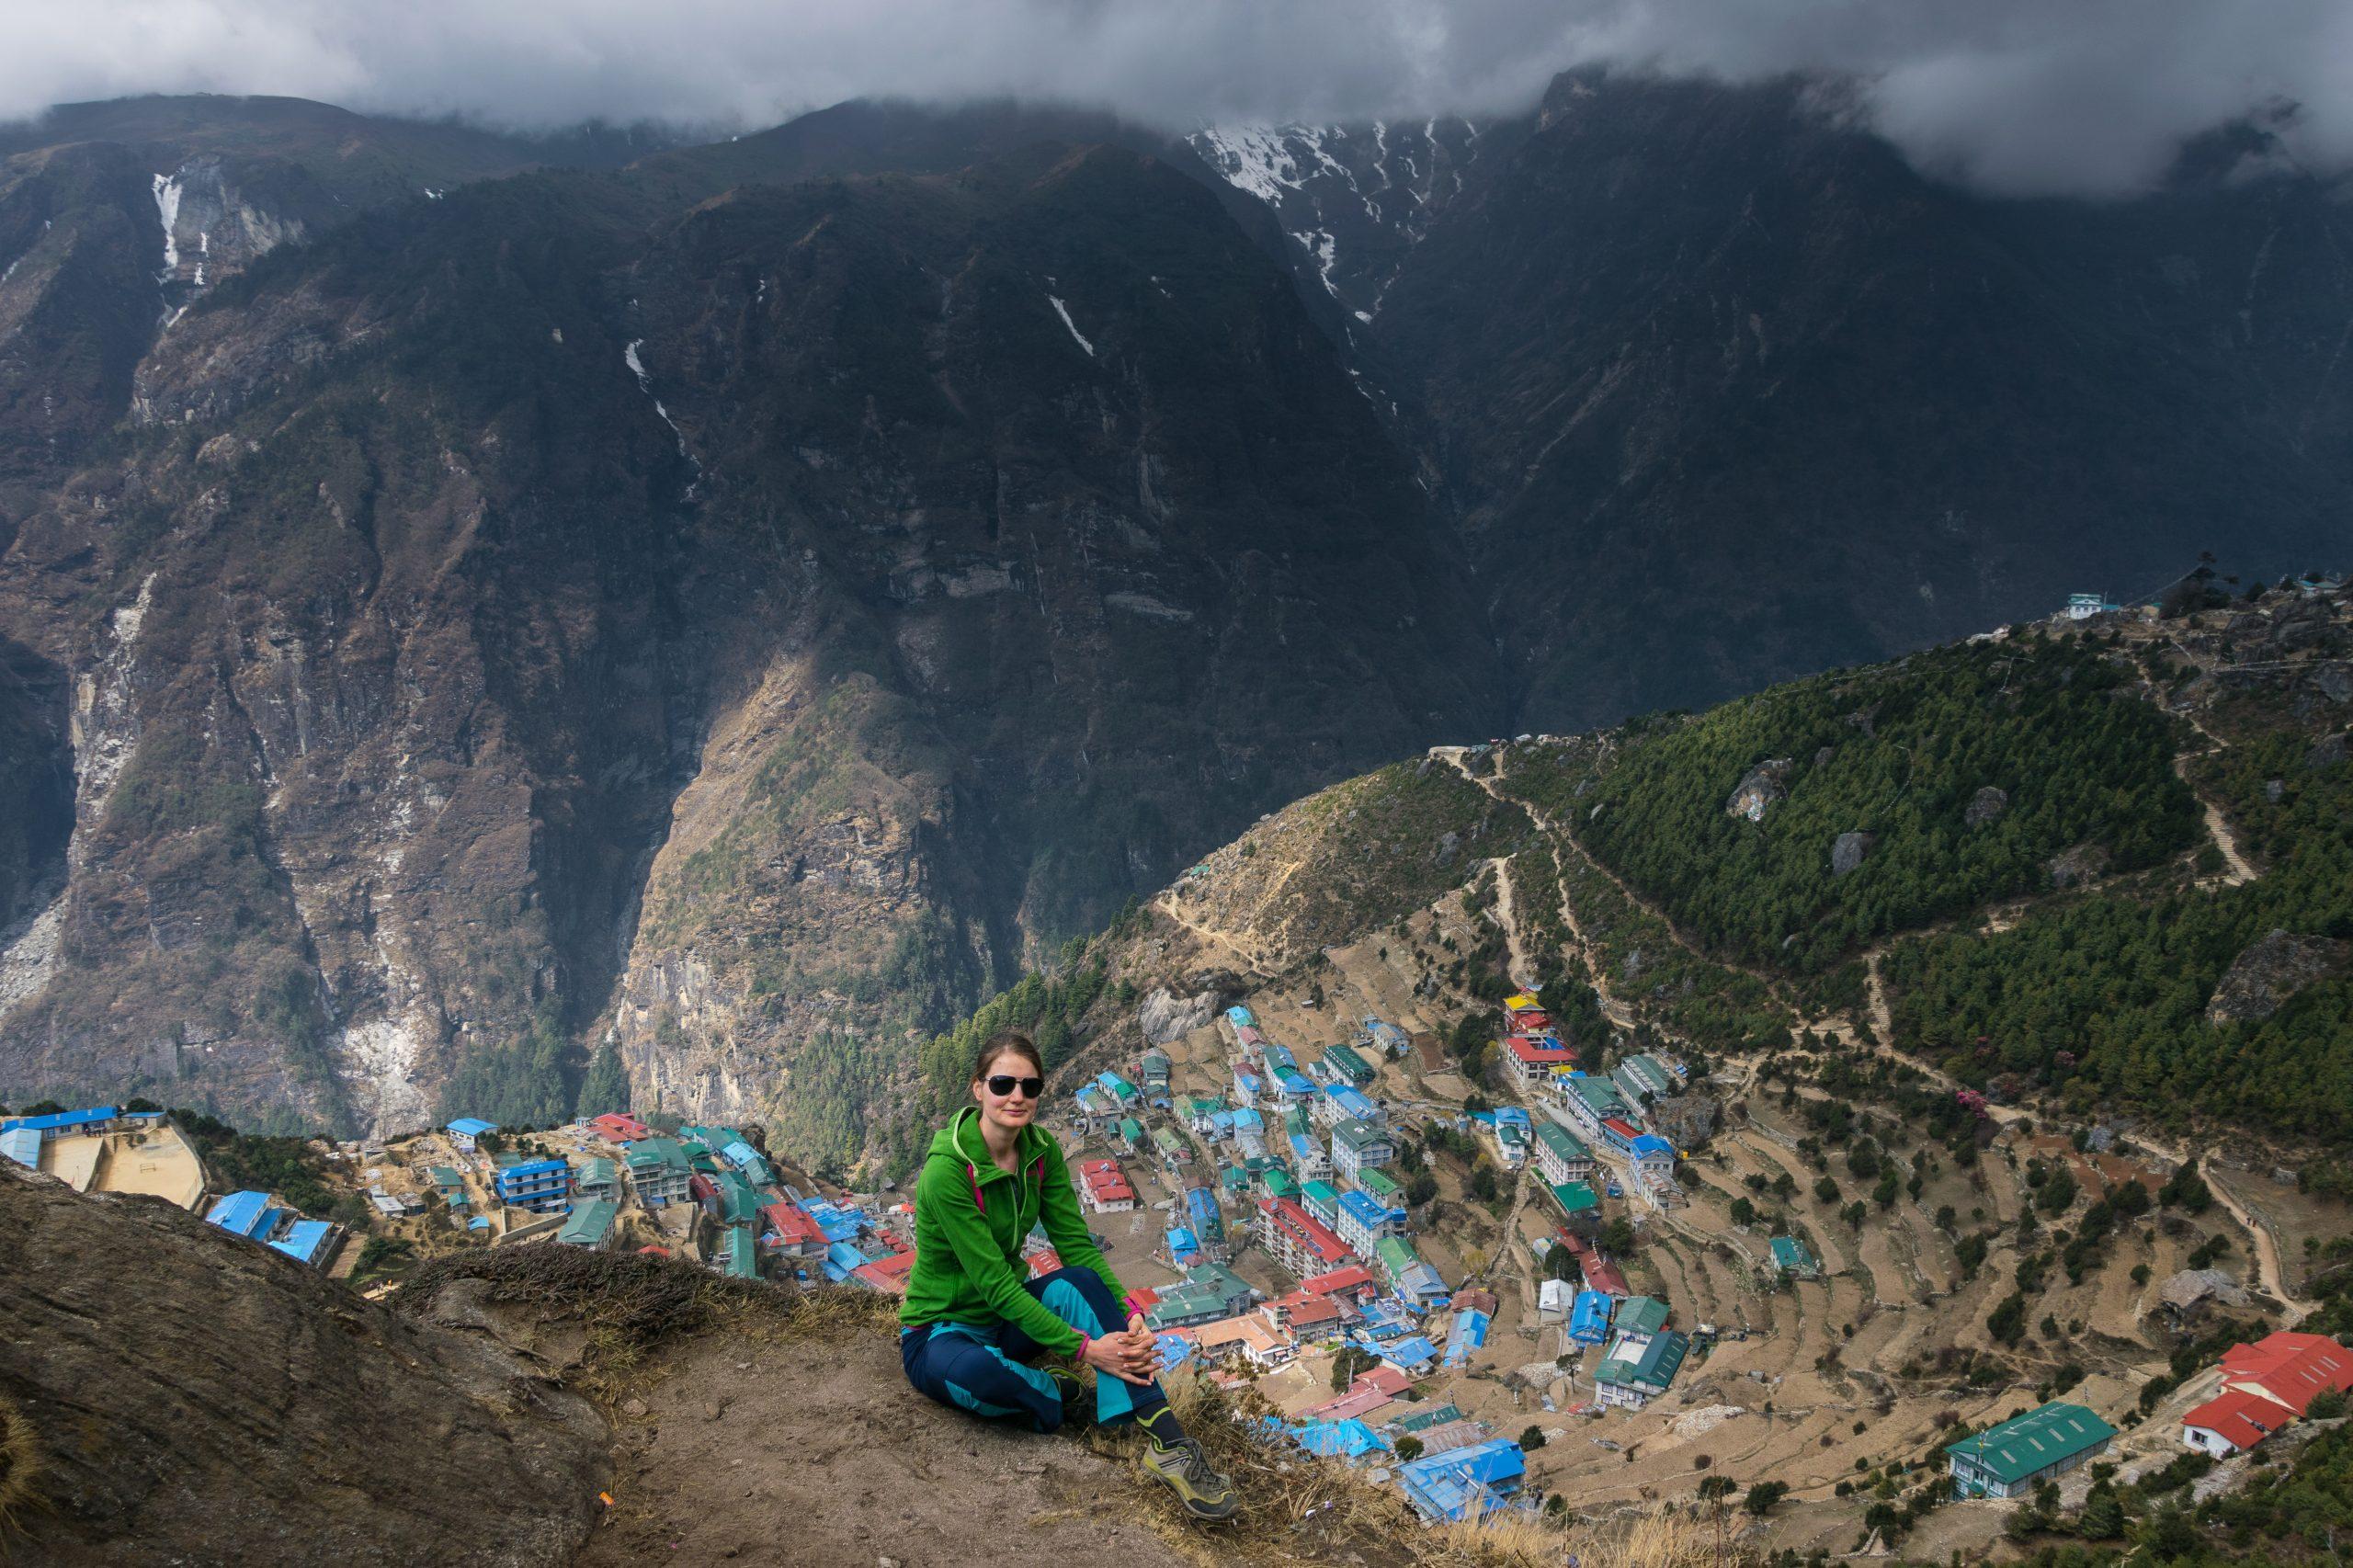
x,y
984,1370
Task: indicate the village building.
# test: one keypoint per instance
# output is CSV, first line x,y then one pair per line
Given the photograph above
x,y
2233,1421
2010,1458
1095,1111
1791,1260
1633,1377
1104,1190
1561,1156
1241,1017
790,1232
1643,1078
1359,1145
466,1129
1307,1153
1206,1219
2289,1368
1304,1317
1381,1186
1248,1087
1413,1281
1174,1153
1341,1064
1592,1101
1602,1275
254,1217
1462,1484
1580,1208
1651,1159
1248,1338
599,1178
1353,1283
590,1224
545,1186
1364,1221
620,1127
1341,1102
1322,1199
1300,1242
659,1172
1589,1317
1537,1059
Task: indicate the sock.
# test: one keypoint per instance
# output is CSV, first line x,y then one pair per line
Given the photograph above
x,y
1162,1424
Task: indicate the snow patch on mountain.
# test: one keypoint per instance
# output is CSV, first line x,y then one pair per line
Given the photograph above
x,y
1063,311
168,206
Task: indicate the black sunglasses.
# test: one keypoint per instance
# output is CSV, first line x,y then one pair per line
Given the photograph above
x,y
1002,1084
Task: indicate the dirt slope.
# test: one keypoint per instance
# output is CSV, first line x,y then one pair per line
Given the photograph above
x,y
196,1399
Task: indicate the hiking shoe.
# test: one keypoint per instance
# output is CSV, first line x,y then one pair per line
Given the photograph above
x,y
1078,1398
1205,1494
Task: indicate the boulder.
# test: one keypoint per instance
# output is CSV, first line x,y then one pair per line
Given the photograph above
x,y
1759,789
2073,868
1848,851
1985,805
2195,1288
2327,752
2272,970
2333,680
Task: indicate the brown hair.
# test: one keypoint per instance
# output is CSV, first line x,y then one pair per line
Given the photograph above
x,y
1007,1042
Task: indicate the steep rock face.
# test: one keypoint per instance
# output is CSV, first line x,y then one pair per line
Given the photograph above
x,y
1079,614
193,1397
2271,970
1713,375
793,606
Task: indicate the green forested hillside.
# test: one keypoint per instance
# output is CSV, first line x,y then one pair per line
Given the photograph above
x,y
1899,752
2106,997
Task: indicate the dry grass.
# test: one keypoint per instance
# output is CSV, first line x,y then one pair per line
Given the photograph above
x,y
1300,1509
21,1467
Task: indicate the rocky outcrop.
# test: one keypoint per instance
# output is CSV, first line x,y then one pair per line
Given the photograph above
x,y
196,1398
2076,866
2271,970
1759,789
1164,1018
1687,1120
2195,1288
1985,806
1846,853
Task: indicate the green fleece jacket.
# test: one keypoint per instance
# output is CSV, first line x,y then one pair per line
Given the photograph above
x,y
970,1217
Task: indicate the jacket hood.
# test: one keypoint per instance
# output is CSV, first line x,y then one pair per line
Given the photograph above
x,y
961,1143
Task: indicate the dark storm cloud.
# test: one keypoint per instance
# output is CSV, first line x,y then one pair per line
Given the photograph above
x,y
2057,95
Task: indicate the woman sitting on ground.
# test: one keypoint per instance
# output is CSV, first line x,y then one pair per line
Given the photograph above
x,y
973,1319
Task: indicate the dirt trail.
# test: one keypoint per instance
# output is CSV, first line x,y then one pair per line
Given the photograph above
x,y
2273,1278
1251,962
816,1450
1523,974
2236,871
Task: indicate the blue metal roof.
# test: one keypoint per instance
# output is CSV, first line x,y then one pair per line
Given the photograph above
x,y
56,1120
1651,1144
1411,1354
243,1214
1451,1484
304,1240
1241,1016
471,1127
22,1145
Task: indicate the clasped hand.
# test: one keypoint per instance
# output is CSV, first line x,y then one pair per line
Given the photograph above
x,y
1132,1356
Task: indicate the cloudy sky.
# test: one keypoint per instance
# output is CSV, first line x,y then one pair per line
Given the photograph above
x,y
2023,96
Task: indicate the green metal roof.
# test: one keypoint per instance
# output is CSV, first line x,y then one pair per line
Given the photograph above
x,y
1362,1135
1423,1420
1347,1062
2037,1440
588,1222
1322,1193
1561,1142
597,1172
1789,1253
657,1153
1575,1197
1131,1130
1640,1315
1216,1277
1396,1254
1235,1176
1280,1185
742,1256
1653,1370
442,1176
1377,1183
1601,1094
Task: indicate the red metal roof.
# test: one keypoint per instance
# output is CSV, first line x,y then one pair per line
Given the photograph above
x,y
1623,1127
1044,1262
1538,1054
621,1129
2292,1368
1605,1278
1357,1402
1319,1239
1384,1379
2245,1418
791,1223
1302,1309
1355,1276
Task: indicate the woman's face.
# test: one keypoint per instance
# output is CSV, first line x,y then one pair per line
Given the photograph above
x,y
1017,1107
